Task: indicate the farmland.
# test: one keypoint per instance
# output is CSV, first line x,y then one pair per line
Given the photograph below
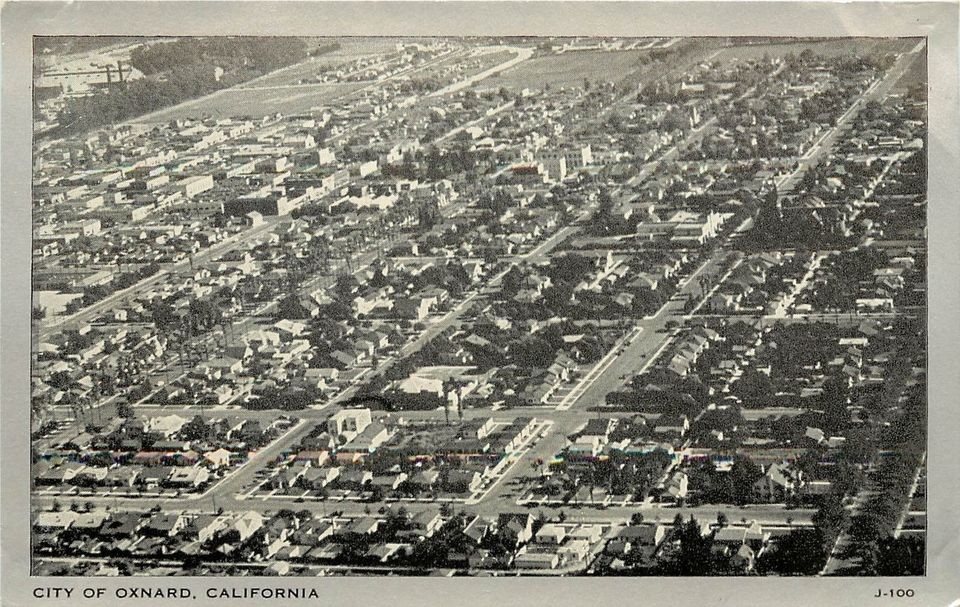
x,y
350,49
568,69
916,74
826,48
446,311
253,102
294,89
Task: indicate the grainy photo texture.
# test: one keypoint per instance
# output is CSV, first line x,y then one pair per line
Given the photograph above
x,y
479,306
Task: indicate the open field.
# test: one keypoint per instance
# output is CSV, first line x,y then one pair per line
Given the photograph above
x,y
567,69
350,49
259,96
834,48
253,102
280,91
461,72
915,75
354,47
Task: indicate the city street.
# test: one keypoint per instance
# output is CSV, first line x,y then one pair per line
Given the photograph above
x,y
513,277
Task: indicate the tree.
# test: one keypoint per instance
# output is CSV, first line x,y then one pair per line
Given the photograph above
x,y
511,282
558,297
868,554
801,552
428,214
435,164
205,313
570,268
60,380
163,316
831,517
290,308
694,556
753,386
602,220
195,430
182,70
101,459
901,556
344,287
834,400
743,474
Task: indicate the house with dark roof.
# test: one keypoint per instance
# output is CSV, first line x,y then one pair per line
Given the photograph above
x,y
777,483
515,527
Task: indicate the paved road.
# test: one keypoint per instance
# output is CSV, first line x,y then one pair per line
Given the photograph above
x,y
161,115
653,336
638,353
477,121
52,325
651,340
878,90
435,327
766,514
523,53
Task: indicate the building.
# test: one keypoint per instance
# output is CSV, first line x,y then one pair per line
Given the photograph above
x,y
191,186
516,528
683,227
536,560
267,203
554,162
777,483
348,423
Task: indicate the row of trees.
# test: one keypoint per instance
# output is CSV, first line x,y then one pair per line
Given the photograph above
x,y
259,53
434,164
732,487
874,544
95,293
691,552
177,71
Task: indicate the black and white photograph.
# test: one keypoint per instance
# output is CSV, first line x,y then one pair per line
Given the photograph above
x,y
549,306
538,306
